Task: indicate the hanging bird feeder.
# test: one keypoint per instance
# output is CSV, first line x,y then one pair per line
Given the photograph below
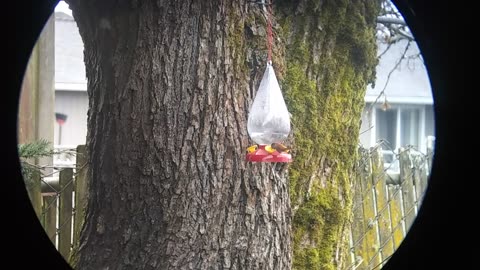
x,y
269,120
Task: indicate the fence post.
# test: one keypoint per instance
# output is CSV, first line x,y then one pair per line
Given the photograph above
x,y
395,208
424,167
381,201
407,186
50,217
370,238
358,223
420,175
430,150
33,187
65,212
81,185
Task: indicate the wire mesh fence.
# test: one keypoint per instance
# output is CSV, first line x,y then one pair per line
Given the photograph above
x,y
387,195
386,200
61,194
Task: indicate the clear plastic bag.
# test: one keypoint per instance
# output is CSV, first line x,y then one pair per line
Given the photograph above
x,y
269,119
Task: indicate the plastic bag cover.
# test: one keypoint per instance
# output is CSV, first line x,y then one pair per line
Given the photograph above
x,y
269,119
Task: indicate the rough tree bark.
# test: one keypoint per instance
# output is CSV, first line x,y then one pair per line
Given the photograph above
x,y
170,84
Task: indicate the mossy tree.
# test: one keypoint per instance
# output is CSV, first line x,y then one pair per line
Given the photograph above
x,y
170,83
330,58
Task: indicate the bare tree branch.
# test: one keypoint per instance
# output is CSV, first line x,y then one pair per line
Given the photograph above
x,y
397,64
391,24
366,130
384,51
401,33
391,28
390,20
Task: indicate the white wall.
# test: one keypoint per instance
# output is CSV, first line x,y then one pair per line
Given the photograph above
x,y
75,105
69,65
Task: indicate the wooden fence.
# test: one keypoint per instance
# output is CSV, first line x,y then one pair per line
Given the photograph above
x,y
60,203
385,203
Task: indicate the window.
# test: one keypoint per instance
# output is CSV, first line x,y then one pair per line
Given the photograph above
x,y
400,126
386,126
410,127
429,121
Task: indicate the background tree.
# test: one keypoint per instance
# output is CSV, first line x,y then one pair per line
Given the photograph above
x,y
170,84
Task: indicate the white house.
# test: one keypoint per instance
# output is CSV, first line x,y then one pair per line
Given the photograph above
x,y
70,82
408,119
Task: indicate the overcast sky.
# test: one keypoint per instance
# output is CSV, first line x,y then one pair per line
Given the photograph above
x,y
63,7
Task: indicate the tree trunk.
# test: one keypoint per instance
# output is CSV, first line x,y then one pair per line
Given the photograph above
x,y
330,59
170,84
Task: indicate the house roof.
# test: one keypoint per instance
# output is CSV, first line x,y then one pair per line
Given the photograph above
x,y
69,65
409,83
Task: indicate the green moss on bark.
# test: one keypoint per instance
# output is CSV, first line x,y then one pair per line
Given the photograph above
x,y
330,58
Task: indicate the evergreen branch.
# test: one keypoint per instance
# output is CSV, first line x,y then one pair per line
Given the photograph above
x,y
40,148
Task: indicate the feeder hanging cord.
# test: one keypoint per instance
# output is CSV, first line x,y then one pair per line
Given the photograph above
x,y
269,31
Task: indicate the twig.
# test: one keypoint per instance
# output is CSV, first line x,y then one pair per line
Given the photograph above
x,y
372,126
388,77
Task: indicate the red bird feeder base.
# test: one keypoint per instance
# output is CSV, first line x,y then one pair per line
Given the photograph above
x,y
261,155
